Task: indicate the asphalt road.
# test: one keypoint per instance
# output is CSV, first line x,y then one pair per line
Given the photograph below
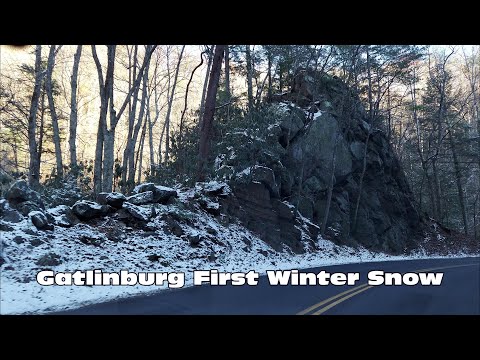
x,y
458,294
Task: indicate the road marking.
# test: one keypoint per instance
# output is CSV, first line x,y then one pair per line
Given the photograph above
x,y
325,308
313,307
359,289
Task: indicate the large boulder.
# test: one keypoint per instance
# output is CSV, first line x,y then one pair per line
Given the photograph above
x,y
142,198
139,212
39,219
113,199
86,210
27,207
8,214
161,194
20,192
63,216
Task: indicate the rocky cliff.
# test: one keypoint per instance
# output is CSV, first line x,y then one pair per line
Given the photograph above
x,y
318,127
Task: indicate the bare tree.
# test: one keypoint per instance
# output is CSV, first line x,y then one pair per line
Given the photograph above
x,y
170,104
34,169
248,59
74,109
209,50
206,124
53,112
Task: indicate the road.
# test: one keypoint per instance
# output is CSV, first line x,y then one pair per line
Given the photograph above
x,y
458,294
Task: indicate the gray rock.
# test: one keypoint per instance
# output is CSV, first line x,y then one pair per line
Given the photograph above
x,y
358,149
27,207
8,214
161,194
315,185
115,200
138,212
194,240
86,210
291,124
20,191
63,216
265,176
40,221
5,227
141,198
144,187
50,259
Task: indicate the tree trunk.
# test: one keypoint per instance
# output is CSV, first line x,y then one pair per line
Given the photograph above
x,y
109,132
74,111
41,133
53,112
34,168
205,83
210,101
227,72
169,109
132,111
458,178
131,149
269,94
365,150
330,188
98,168
248,59
139,160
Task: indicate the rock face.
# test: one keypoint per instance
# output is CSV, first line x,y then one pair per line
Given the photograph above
x,y
321,118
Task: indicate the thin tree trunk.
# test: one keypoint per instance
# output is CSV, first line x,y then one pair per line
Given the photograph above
x,y
206,125
132,111
98,165
330,188
458,178
53,112
169,109
248,59
34,168
365,151
205,83
131,153
227,72
74,111
40,130
269,94
139,160
109,132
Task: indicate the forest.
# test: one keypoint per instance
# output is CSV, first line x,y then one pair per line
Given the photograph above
x,y
107,118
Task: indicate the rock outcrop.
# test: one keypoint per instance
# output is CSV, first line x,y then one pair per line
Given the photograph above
x,y
322,126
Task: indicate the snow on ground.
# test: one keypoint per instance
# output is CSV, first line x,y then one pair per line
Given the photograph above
x,y
226,247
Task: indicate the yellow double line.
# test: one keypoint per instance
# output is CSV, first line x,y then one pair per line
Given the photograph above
x,y
329,303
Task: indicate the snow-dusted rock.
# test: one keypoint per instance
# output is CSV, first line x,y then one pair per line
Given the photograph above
x,y
87,210
39,219
62,216
141,198
113,199
138,212
20,191
8,214
161,194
